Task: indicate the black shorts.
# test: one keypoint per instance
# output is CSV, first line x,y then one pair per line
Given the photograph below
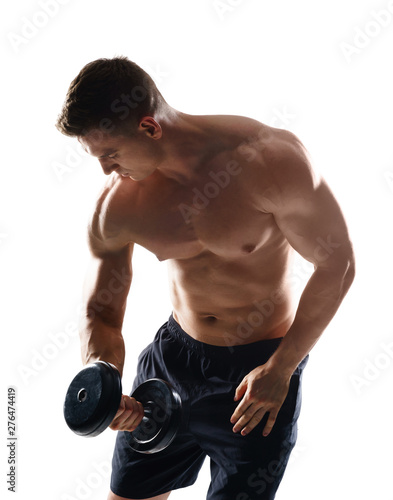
x,y
206,377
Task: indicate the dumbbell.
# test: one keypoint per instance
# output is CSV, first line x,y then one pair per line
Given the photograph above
x,y
94,396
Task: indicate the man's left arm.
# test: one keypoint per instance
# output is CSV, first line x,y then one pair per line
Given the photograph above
x,y
310,218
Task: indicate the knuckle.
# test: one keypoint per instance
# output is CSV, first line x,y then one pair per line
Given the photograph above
x,y
250,413
251,395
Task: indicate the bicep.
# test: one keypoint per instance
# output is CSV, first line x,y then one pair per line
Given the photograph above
x,y
314,225
109,274
306,211
107,284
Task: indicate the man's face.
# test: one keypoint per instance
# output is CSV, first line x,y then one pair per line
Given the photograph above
x,y
128,156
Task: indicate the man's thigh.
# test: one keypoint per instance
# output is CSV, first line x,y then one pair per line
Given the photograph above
x,y
138,475
252,466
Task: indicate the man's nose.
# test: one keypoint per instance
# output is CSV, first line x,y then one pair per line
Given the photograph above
x,y
108,167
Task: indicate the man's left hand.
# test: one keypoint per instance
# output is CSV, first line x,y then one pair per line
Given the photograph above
x,y
261,391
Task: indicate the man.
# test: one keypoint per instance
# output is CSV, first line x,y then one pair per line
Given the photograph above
x,y
226,201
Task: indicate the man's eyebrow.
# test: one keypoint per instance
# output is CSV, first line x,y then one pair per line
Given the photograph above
x,y
108,153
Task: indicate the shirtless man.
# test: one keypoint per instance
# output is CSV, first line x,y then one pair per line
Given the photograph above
x,y
226,201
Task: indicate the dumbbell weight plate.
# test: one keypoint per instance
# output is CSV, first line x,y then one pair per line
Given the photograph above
x,y
92,399
161,422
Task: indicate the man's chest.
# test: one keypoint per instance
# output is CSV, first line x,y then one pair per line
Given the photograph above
x,y
179,222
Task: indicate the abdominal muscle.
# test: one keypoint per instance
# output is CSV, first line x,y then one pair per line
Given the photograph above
x,y
227,303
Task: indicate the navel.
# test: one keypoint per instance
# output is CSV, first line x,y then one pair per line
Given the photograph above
x,y
248,248
211,318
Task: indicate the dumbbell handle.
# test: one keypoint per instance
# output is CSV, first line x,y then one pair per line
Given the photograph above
x,y
148,409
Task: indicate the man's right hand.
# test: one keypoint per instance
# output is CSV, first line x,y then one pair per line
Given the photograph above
x,y
128,416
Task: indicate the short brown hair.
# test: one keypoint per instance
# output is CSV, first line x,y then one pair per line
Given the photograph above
x,y
110,95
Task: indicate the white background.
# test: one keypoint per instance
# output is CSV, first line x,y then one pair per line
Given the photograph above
x,y
281,62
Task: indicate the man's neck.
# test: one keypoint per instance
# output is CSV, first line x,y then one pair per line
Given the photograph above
x,y
186,145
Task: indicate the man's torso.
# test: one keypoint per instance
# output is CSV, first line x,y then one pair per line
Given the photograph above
x,y
228,260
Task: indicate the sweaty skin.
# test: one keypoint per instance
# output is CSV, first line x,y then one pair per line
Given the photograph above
x,y
225,201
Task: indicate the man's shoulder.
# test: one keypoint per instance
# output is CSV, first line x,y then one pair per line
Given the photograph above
x,y
254,140
276,161
107,228
289,162
277,150
285,145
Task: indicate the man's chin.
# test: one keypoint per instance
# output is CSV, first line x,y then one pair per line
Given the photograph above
x,y
141,176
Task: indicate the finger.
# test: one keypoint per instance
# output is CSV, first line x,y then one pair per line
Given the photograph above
x,y
244,418
241,390
122,407
117,423
253,422
241,409
270,423
127,407
134,419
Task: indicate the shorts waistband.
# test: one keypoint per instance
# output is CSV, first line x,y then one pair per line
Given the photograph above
x,y
222,352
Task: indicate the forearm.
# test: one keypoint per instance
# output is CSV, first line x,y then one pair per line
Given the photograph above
x,y
318,304
101,341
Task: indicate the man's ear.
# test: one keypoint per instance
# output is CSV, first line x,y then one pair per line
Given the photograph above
x,y
150,127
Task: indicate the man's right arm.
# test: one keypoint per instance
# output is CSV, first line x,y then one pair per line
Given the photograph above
x,y
106,289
